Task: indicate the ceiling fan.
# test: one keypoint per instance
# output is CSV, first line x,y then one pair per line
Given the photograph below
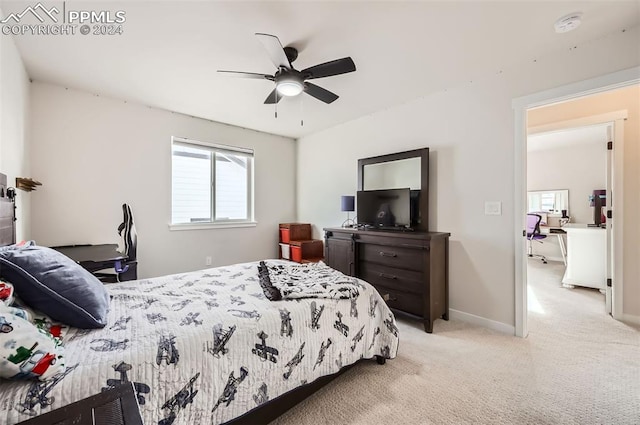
x,y
288,80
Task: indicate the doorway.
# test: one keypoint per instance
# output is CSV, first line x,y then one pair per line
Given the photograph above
x,y
562,95
569,256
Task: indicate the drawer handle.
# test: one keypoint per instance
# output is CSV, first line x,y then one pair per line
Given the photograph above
x,y
388,254
387,297
388,276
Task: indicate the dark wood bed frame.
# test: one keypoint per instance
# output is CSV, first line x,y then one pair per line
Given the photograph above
x,y
270,410
262,414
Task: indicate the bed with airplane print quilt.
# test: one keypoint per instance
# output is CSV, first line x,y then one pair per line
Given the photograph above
x,y
208,346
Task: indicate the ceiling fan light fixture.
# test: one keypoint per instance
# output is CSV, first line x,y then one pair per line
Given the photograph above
x,y
290,82
289,87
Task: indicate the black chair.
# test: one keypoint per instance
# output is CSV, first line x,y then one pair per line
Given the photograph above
x,y
127,230
533,234
126,269
122,264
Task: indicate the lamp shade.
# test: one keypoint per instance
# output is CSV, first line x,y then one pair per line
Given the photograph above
x,y
347,203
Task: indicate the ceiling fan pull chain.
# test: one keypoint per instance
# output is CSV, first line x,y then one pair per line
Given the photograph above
x,y
276,103
301,111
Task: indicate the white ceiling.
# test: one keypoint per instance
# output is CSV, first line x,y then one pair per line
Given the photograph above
x,y
579,136
170,51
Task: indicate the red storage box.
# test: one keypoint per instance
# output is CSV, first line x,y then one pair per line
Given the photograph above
x,y
304,250
294,232
296,253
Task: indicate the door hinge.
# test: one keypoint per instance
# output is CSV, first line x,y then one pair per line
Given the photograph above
x,y
609,283
609,214
609,146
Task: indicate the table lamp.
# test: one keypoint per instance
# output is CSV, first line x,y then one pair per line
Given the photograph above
x,y
347,204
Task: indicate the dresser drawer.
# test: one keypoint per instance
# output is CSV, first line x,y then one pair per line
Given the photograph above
x,y
398,279
404,301
393,256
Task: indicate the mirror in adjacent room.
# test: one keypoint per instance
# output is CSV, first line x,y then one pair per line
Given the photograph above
x,y
393,175
550,203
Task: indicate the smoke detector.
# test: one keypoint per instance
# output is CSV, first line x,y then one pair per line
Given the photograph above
x,y
568,22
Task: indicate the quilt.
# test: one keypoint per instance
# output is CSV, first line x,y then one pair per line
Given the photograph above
x,y
207,347
310,280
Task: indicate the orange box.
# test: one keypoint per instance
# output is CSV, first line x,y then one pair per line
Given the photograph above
x,y
296,253
294,232
303,250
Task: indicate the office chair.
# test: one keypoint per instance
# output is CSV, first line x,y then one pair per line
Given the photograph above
x,y
126,230
130,236
533,234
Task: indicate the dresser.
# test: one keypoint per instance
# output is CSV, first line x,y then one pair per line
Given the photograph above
x,y
410,270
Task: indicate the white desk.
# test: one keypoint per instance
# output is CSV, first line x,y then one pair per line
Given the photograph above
x,y
544,230
586,257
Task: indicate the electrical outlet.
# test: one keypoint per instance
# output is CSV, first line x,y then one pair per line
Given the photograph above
x,y
207,261
493,208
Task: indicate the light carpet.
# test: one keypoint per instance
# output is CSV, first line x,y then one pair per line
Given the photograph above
x,y
577,366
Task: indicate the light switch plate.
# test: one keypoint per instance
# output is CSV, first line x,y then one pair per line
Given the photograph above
x,y
493,208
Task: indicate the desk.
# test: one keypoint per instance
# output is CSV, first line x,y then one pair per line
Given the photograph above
x,y
549,231
100,257
587,257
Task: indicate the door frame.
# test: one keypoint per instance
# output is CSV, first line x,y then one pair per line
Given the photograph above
x,y
520,106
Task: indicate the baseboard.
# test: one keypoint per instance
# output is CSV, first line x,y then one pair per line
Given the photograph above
x,y
630,318
482,321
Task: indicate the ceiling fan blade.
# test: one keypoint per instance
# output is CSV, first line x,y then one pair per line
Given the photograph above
x,y
274,50
328,69
319,93
247,75
273,97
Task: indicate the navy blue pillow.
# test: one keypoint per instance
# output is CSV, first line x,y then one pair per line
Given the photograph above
x,y
54,284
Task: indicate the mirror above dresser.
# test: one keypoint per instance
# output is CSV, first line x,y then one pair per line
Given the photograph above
x,y
401,170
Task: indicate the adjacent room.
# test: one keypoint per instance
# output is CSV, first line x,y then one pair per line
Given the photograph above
x,y
311,212
573,151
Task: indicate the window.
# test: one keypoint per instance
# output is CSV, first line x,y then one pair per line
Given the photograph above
x,y
210,183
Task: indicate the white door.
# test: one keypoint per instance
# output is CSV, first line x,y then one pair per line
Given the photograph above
x,y
610,224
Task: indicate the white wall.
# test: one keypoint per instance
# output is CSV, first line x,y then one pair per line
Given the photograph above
x,y
14,129
580,169
93,154
470,132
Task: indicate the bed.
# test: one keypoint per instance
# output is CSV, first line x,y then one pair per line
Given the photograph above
x,y
208,347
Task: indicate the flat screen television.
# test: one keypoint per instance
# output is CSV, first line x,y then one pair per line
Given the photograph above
x,y
385,209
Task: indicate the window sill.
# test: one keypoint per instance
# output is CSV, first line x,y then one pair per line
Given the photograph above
x,y
205,226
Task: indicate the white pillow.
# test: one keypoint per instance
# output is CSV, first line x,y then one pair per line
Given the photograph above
x,y
25,351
